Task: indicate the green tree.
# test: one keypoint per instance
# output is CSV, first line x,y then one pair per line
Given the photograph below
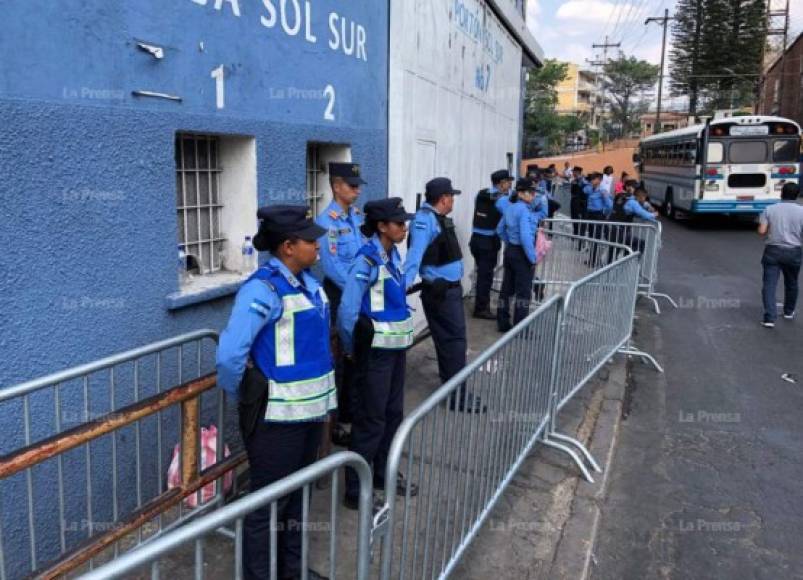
x,y
716,55
625,79
541,99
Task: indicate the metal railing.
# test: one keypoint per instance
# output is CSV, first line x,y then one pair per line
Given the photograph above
x,y
195,532
463,461
93,449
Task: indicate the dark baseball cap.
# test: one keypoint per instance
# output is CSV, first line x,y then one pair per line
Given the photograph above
x,y
288,220
386,210
349,172
525,184
498,176
439,186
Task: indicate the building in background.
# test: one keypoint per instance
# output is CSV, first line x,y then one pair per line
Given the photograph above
x,y
132,127
670,120
457,72
578,94
781,90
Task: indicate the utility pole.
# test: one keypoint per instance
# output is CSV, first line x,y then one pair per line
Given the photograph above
x,y
664,22
773,28
605,46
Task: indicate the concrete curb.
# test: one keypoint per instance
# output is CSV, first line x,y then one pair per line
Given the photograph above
x,y
575,550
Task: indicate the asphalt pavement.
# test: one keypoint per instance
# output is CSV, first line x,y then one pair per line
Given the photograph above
x,y
707,479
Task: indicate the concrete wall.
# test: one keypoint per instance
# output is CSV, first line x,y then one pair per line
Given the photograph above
x,y
455,90
89,180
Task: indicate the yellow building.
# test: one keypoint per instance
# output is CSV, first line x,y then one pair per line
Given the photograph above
x,y
577,93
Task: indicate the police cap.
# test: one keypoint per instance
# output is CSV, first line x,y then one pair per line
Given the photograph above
x,y
439,186
286,221
386,210
498,176
350,172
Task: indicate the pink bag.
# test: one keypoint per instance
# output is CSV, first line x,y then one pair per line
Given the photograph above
x,y
542,245
208,459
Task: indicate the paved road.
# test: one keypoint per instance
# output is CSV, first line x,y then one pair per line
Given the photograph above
x,y
707,481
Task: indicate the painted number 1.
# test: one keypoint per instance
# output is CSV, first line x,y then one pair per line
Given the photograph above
x,y
220,95
329,92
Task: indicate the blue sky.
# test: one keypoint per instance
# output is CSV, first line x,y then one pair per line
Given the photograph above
x,y
566,29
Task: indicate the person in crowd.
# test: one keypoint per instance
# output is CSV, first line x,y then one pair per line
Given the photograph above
x,y
567,172
485,244
274,358
436,256
518,229
644,200
782,226
619,187
626,209
599,205
579,201
342,220
607,180
376,329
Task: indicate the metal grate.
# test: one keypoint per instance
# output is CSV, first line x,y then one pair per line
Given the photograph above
x,y
198,199
314,195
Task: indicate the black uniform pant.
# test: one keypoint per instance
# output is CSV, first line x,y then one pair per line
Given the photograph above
x,y
275,450
485,250
518,282
577,208
443,308
344,368
378,409
597,231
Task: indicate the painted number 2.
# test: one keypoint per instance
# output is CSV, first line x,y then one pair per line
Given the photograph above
x,y
220,95
329,92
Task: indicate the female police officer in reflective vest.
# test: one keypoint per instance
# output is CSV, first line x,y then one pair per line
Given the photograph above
x,y
274,358
376,328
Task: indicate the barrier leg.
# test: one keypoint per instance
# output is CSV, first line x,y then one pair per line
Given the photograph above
x,y
571,453
630,350
666,297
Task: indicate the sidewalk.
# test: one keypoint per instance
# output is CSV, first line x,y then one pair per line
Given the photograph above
x,y
544,523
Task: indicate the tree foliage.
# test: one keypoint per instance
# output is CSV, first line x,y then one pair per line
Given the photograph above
x,y
625,79
541,99
716,51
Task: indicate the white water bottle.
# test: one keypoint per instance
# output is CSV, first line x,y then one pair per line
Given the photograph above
x,y
183,274
249,257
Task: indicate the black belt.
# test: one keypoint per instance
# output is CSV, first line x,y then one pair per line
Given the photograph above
x,y
427,283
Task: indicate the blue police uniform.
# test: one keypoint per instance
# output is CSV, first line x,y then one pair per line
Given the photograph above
x,y
518,229
484,243
435,254
339,246
599,202
375,325
277,338
625,209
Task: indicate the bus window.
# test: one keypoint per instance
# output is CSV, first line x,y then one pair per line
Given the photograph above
x,y
747,152
715,153
785,151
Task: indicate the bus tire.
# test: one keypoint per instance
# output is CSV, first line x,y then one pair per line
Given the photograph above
x,y
669,205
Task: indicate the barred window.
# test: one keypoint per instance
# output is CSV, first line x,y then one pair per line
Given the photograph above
x,y
314,170
199,200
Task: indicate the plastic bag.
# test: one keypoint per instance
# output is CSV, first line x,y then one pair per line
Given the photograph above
x,y
208,459
542,245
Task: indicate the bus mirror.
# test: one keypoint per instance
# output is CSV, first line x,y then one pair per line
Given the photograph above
x,y
636,158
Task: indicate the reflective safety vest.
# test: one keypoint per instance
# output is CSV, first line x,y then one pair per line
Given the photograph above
x,y
385,303
293,352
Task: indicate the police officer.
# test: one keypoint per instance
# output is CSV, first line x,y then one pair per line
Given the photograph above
x,y
625,209
518,229
578,203
435,254
276,345
599,205
485,244
342,220
376,327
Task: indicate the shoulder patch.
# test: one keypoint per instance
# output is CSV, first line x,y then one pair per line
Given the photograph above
x,y
333,214
420,225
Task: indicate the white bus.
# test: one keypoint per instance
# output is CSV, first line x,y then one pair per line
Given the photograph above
x,y
747,162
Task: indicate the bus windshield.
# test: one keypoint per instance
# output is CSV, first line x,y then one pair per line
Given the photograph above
x,y
747,152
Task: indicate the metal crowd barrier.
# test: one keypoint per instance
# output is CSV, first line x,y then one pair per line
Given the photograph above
x,y
463,461
642,237
200,530
88,448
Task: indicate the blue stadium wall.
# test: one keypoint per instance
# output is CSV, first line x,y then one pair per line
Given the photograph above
x,y
89,225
